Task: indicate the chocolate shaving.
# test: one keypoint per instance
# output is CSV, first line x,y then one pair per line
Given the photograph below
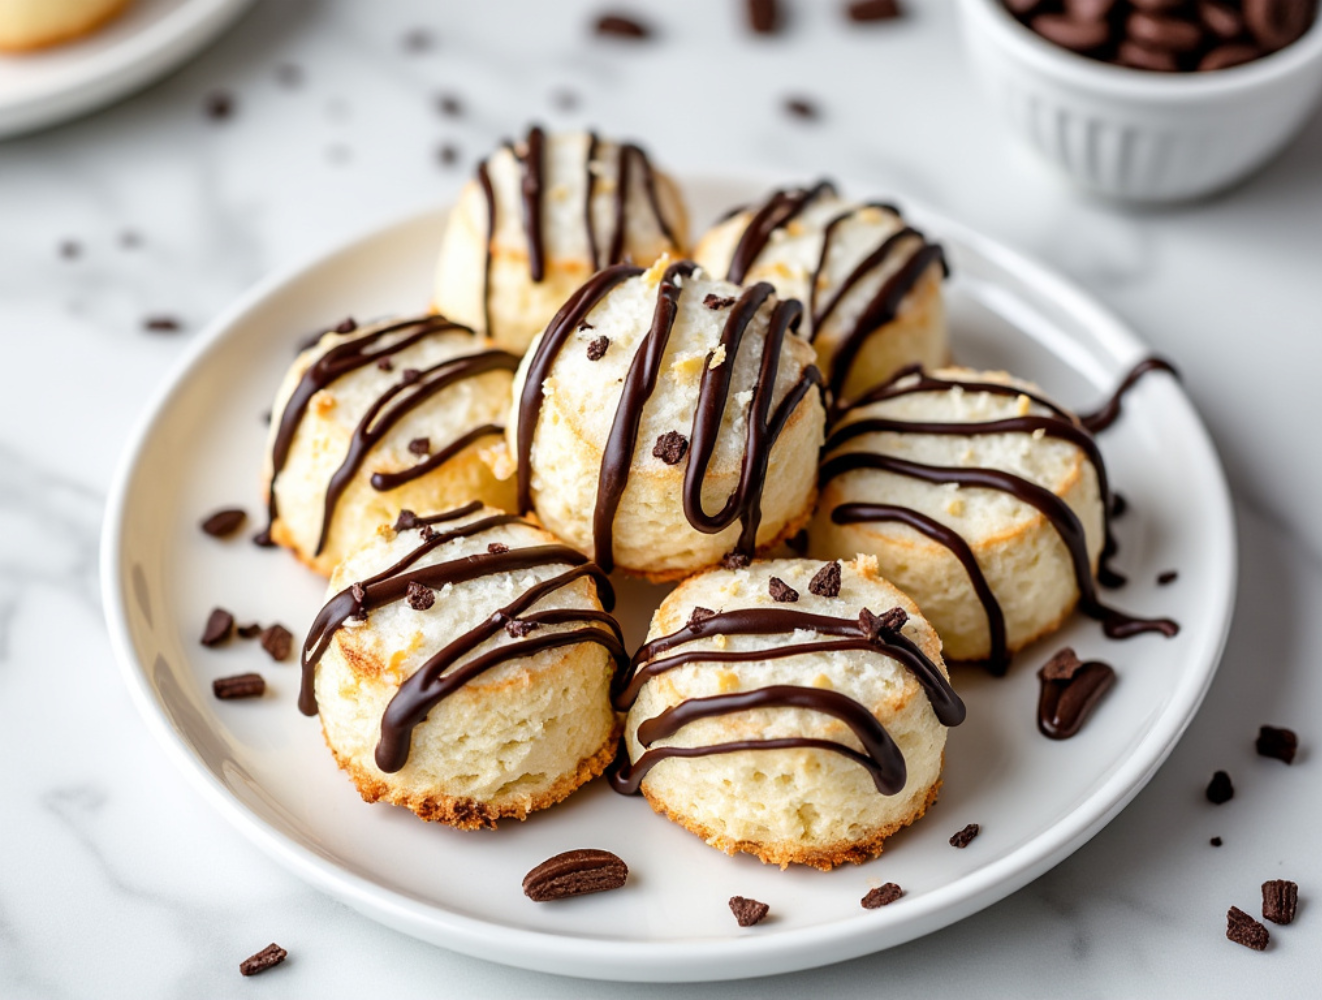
x,y
827,581
218,106
224,523
517,628
427,532
162,324
220,625
419,598
619,26
781,591
699,614
1243,929
1167,578
1278,744
1062,666
873,626
277,641
670,447
406,520
868,11
575,873
346,325
801,107
420,446
965,836
1280,901
881,896
385,364
250,631
1219,789
714,301
735,560
498,548
763,16
268,958
410,375
1216,841
597,349
748,911
239,686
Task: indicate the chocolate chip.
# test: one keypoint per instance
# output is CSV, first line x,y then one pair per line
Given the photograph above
x,y
1089,10
798,542
575,873
224,523
277,641
1221,19
619,26
250,631
1216,841
385,364
1167,578
239,686
801,107
162,324
498,548
418,40
965,836
1280,900
410,375
748,911
714,301
763,16
420,446
450,105
346,325
867,11
219,106
1219,789
1062,666
1225,56
874,626
1277,23
881,896
1136,55
735,560
220,625
1279,744
289,75
698,615
518,628
670,447
71,249
1243,929
420,598
269,957
448,154
406,520
827,581
1161,32
597,349
782,592
1077,36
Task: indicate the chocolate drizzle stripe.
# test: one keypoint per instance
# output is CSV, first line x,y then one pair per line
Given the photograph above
x,y
775,213
386,481
381,416
1103,417
337,362
875,259
488,192
532,185
589,189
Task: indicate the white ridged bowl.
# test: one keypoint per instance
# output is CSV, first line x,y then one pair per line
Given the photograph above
x,y
1136,135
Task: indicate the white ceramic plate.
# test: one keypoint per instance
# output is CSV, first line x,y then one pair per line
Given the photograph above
x,y
148,40
264,766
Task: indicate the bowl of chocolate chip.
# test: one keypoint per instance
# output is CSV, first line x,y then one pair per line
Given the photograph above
x,y
1150,100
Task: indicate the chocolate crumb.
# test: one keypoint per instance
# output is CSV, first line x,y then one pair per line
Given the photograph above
x,y
71,249
420,446
268,958
289,75
239,686
827,581
346,325
385,364
782,592
250,631
597,349
161,324
670,447
619,26
410,375
802,108
450,105
220,625
517,628
873,626
735,560
748,911
406,520
764,16
418,40
498,548
427,532
1278,744
420,598
1216,841
575,873
1280,900
699,614
1062,666
1219,789
277,641
219,106
1243,929
869,11
1167,578
448,154
224,523
714,301
881,896
965,836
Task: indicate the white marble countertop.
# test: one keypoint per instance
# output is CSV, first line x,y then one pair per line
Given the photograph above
x,y
118,880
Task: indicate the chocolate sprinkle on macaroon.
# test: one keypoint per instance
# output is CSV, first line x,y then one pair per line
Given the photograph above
x,y
239,686
965,836
220,625
781,592
827,581
420,446
873,626
1243,929
410,375
670,447
277,641
735,560
268,958
406,520
1280,900
881,896
224,523
597,349
619,26
385,364
714,301
517,628
1279,744
748,911
497,548
419,598
1219,789
871,11
699,615
575,873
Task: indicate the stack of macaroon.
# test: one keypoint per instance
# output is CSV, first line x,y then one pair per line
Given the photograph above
x,y
762,417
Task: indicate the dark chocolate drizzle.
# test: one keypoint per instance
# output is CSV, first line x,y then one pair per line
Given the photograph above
x,y
764,425
881,757
397,401
1105,415
434,680
1058,424
1064,705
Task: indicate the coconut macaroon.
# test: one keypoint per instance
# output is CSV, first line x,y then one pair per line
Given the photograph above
x,y
980,498
405,413
540,217
871,284
795,710
462,667
36,24
666,421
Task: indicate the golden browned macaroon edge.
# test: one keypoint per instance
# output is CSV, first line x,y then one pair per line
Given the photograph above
x,y
70,34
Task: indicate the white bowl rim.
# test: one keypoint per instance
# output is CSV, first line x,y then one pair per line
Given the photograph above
x,y
1122,81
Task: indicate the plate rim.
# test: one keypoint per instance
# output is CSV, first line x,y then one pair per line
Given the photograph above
x,y
678,961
